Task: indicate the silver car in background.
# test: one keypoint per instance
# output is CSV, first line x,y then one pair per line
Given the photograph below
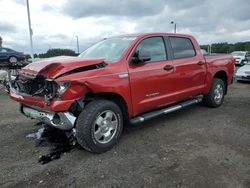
x,y
243,73
241,57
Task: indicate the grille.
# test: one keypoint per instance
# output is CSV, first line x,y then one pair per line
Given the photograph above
x,y
37,86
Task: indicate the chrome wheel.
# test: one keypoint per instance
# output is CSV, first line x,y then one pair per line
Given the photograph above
x,y
105,126
218,93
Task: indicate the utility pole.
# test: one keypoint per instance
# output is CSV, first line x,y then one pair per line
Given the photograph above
x,y
30,31
77,44
175,25
209,48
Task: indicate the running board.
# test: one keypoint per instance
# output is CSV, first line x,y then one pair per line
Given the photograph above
x,y
153,114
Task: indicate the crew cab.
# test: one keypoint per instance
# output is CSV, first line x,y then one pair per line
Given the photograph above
x,y
120,80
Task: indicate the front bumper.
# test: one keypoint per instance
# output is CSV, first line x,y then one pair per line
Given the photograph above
x,y
55,113
60,120
56,105
243,78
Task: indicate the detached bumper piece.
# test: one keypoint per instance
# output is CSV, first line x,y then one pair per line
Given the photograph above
x,y
60,120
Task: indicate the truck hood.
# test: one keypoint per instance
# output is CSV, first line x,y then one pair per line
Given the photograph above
x,y
57,66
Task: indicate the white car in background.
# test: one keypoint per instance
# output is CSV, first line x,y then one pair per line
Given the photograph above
x,y
242,57
243,73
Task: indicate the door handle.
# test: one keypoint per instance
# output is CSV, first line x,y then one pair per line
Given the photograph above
x,y
168,67
201,63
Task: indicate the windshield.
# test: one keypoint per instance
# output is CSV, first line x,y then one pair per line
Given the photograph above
x,y
110,49
238,53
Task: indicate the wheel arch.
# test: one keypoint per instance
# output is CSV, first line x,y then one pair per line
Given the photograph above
x,y
116,98
223,76
12,56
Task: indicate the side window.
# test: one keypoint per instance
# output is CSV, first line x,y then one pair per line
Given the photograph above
x,y
2,50
154,47
182,47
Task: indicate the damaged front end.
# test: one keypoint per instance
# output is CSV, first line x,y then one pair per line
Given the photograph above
x,y
35,86
40,98
47,91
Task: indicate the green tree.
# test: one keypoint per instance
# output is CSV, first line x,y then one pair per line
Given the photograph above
x,y
57,52
225,47
247,46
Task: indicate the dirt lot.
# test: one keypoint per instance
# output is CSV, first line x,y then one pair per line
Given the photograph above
x,y
195,147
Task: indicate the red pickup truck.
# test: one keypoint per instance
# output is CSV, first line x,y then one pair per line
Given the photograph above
x,y
119,80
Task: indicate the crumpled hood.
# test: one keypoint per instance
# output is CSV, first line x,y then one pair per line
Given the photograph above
x,y
56,66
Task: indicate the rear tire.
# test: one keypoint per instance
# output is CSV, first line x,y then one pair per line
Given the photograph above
x,y
216,94
99,126
12,59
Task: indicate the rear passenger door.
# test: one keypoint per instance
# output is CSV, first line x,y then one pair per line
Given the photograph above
x,y
189,68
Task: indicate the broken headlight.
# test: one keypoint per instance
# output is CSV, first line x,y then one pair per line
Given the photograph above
x,y
61,88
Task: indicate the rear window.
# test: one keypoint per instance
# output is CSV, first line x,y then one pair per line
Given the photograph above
x,y
182,47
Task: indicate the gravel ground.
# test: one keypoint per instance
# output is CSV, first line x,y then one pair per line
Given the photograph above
x,y
195,147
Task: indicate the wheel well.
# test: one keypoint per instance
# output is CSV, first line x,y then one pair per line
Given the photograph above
x,y
223,76
116,98
12,56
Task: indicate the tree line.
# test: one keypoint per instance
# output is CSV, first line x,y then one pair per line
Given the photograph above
x,y
56,52
225,47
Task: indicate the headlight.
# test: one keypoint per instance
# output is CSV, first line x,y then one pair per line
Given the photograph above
x,y
61,88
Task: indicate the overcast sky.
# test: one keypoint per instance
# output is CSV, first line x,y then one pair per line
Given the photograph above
x,y
56,23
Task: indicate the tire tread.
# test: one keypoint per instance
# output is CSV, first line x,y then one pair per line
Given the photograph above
x,y
85,120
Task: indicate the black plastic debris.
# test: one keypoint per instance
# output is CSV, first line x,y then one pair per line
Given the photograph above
x,y
59,142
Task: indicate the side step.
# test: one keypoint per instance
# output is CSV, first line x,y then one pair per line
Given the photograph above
x,y
149,115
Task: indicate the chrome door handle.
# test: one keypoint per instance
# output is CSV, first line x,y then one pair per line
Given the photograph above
x,y
168,67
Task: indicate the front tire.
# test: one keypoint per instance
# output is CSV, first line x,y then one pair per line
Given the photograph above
x,y
99,126
216,94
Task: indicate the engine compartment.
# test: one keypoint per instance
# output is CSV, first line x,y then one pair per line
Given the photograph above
x,y
34,86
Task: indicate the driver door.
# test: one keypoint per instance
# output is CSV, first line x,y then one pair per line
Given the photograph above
x,y
151,82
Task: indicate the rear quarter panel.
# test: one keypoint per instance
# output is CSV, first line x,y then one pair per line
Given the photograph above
x,y
217,63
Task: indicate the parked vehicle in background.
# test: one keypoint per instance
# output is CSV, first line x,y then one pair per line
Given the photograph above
x,y
10,56
129,78
242,57
204,52
243,73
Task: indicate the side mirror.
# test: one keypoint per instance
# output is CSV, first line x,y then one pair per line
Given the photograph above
x,y
140,57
